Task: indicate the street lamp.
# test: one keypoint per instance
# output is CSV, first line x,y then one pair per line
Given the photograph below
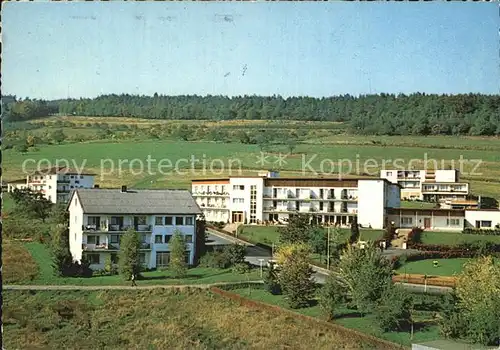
x,y
328,249
261,262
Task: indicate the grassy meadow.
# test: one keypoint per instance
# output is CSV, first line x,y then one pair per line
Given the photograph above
x,y
153,319
325,149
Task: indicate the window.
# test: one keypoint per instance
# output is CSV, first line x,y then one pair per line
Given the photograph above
x,y
168,220
238,200
186,256
189,238
406,221
76,202
389,173
93,240
189,221
144,238
162,259
485,223
140,220
142,258
179,220
114,258
50,187
159,220
77,182
453,222
114,239
50,198
238,187
93,259
167,238
158,239
81,176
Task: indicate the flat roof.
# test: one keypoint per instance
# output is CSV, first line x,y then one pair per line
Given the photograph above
x,y
20,181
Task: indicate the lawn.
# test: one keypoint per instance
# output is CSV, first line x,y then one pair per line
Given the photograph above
x,y
454,238
221,159
270,234
7,203
417,205
446,267
18,264
348,318
196,275
153,319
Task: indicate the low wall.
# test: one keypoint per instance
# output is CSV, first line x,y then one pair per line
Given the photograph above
x,y
377,343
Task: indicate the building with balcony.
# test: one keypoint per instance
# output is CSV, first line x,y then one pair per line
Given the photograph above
x,y
429,185
270,198
100,217
55,183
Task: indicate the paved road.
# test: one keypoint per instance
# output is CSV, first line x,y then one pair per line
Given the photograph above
x,y
255,253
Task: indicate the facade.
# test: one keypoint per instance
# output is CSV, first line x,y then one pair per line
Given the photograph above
x,y
445,219
269,198
100,217
17,184
429,185
55,183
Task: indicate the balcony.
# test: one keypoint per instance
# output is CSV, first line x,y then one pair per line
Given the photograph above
x,y
63,181
210,194
145,246
213,206
88,247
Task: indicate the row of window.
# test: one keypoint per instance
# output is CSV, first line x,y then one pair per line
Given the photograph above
x,y
163,258
238,200
95,258
169,220
166,238
449,222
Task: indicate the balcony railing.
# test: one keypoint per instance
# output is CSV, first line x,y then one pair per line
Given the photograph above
x,y
210,193
101,246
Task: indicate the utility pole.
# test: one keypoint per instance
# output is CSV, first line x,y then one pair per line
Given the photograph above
x,y
328,249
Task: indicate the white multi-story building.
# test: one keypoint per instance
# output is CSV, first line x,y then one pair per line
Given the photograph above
x,y
428,185
99,218
55,183
257,199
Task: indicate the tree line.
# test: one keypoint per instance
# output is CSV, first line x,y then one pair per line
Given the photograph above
x,y
382,114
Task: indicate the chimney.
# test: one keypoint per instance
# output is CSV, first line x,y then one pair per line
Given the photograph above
x,y
124,189
96,186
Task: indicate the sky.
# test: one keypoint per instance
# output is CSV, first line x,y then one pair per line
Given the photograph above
x,y
85,49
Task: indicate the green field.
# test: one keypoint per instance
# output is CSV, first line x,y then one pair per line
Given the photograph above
x,y
350,318
152,319
321,154
270,234
454,238
44,274
446,267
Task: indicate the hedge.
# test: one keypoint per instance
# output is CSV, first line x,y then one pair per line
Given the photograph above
x,y
478,231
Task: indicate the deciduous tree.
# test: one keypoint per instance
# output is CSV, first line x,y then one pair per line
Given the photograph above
x,y
129,261
178,255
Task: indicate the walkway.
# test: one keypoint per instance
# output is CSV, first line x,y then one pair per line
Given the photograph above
x,y
121,287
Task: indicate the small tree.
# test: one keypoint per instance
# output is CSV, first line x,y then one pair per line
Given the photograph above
x,y
271,282
298,229
235,254
295,275
393,311
331,297
354,231
178,255
364,275
291,144
318,241
58,136
128,261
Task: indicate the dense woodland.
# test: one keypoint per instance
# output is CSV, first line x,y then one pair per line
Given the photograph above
x,y
384,114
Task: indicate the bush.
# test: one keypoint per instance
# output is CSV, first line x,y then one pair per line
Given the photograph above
x,y
414,236
271,282
476,231
393,311
241,268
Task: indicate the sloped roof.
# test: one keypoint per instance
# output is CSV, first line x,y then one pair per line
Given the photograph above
x,y
114,201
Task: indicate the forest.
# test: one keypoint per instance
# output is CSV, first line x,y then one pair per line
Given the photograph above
x,y
382,114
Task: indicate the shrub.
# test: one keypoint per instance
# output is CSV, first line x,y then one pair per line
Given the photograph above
x,y
475,231
242,268
271,282
393,311
415,235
